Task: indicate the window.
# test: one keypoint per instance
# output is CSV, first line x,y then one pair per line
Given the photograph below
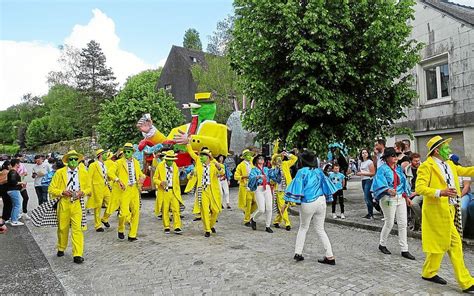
x,y
437,81
168,87
193,59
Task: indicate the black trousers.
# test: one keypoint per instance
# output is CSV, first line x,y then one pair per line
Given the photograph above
x,y
7,206
338,195
24,194
42,193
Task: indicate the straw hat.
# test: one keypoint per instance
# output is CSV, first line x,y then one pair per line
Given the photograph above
x,y
435,142
99,152
206,151
128,146
170,155
66,157
246,151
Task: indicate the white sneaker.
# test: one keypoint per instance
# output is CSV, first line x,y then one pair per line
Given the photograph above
x,y
342,216
9,221
18,223
25,216
334,216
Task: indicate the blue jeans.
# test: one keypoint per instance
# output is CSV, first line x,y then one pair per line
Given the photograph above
x,y
366,184
467,208
17,201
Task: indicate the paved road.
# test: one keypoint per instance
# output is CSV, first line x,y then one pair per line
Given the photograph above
x,y
236,261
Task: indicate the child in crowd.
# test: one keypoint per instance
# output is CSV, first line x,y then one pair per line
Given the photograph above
x,y
339,182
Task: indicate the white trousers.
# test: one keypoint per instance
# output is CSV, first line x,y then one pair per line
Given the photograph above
x,y
224,192
264,204
394,206
316,209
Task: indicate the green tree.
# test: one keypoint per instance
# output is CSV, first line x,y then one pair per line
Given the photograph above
x,y
323,71
221,79
38,132
221,37
119,115
191,39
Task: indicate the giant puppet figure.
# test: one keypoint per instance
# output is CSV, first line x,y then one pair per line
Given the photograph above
x,y
203,131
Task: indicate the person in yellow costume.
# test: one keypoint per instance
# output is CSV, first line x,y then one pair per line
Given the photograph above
x,y
279,189
129,177
71,185
246,200
208,192
100,188
168,191
437,181
108,163
159,197
192,180
114,202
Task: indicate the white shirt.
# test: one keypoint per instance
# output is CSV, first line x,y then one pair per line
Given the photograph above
x,y
131,176
380,162
74,185
365,167
43,169
441,165
249,168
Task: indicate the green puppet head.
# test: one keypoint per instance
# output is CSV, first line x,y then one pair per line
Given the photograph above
x,y
445,151
204,107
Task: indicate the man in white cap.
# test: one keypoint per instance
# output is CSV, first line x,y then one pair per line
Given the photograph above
x,y
70,185
437,181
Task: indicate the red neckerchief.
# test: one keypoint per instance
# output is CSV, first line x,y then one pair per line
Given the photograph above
x,y
396,179
264,184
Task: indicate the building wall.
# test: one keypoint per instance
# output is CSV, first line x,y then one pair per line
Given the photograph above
x,y
445,38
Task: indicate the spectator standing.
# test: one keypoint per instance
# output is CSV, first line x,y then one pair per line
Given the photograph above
x,y
403,159
367,171
14,185
40,170
7,202
378,152
224,182
407,151
338,179
23,172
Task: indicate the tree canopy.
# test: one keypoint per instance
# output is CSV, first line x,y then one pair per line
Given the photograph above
x,y
191,39
324,71
119,115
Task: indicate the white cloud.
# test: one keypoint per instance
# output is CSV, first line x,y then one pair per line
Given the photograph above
x,y
24,65
161,63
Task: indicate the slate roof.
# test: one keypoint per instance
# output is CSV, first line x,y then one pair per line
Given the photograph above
x,y
460,12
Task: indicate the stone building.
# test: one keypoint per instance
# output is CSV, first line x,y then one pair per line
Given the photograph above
x,y
444,78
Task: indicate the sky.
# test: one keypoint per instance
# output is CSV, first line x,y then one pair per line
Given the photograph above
x,y
134,36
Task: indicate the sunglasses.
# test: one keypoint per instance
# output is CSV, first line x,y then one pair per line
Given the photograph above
x,y
73,159
128,151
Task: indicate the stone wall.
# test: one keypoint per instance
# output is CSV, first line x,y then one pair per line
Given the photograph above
x,y
81,145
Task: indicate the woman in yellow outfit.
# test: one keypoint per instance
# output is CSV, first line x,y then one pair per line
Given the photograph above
x,y
129,177
279,189
113,204
246,201
100,188
207,187
168,191
70,185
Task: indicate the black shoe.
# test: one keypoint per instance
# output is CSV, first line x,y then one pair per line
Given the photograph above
x,y
100,229
436,279
254,224
207,234
228,207
106,224
160,217
60,253
384,250
132,239
167,231
325,260
268,229
78,259
213,230
276,225
298,257
248,224
469,290
408,255
369,217
178,231
288,228
121,235
197,219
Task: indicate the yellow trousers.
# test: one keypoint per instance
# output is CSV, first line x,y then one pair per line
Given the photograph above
x,y
70,216
129,210
250,206
433,262
170,201
105,203
97,211
209,210
284,216
113,203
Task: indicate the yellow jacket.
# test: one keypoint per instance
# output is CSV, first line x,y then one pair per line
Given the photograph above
x,y
99,188
285,167
214,174
121,171
160,176
60,179
241,171
437,213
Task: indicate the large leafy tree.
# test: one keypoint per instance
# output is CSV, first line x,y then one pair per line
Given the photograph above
x,y
219,78
221,37
323,71
119,115
191,39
